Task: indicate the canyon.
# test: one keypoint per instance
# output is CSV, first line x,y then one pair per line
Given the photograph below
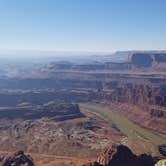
x,y
44,112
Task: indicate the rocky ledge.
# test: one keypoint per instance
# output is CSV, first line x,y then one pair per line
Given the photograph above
x,y
53,110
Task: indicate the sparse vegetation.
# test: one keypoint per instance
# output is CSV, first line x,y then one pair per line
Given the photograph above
x,y
141,136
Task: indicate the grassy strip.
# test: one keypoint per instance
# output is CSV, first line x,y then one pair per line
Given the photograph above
x,y
128,128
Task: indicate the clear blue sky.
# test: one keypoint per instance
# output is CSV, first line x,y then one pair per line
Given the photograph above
x,y
83,25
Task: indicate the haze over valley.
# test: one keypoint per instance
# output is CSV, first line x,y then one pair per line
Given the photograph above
x,y
82,83
69,111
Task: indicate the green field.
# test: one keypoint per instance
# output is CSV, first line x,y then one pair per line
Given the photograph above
x,y
136,134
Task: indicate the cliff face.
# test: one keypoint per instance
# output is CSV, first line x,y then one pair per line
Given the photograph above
x,y
139,94
141,60
148,60
58,111
160,58
118,88
141,103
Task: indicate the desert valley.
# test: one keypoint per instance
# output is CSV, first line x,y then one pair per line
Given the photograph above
x,y
97,112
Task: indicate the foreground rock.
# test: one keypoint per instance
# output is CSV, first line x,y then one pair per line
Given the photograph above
x,y
18,159
161,163
122,156
162,150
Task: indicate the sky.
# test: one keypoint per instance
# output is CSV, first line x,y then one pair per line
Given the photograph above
x,y
82,25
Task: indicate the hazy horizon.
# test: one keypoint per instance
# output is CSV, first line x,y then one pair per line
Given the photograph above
x,y
20,52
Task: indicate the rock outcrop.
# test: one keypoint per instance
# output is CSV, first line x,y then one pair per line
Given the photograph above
x,y
17,159
143,59
122,156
